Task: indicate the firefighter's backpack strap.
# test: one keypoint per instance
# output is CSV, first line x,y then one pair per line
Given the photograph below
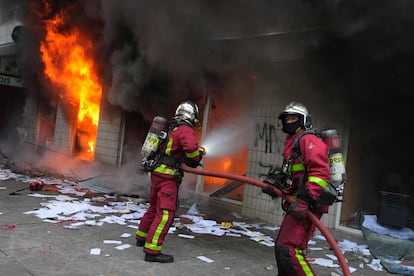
x,y
296,148
330,194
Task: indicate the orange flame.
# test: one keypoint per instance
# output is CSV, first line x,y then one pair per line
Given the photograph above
x,y
69,66
226,164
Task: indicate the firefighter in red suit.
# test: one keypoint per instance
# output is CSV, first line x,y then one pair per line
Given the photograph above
x,y
306,181
181,146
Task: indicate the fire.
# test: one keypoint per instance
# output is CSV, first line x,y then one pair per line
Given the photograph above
x,y
68,64
226,164
222,165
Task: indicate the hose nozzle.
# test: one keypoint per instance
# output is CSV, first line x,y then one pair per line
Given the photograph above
x,y
202,150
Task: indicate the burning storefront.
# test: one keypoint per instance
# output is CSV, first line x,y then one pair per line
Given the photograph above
x,y
73,75
85,115
98,78
97,72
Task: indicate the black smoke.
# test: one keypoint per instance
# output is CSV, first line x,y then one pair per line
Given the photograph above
x,y
155,53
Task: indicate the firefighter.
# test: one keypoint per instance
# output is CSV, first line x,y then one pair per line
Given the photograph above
x,y
182,146
305,181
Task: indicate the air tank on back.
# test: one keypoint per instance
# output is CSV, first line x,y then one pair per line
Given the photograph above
x,y
336,159
158,130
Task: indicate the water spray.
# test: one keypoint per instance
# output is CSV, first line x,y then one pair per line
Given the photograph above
x,y
310,215
226,140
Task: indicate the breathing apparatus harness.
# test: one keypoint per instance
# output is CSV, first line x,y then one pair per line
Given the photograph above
x,y
159,157
282,179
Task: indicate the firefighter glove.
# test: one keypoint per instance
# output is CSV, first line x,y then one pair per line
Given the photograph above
x,y
275,178
270,191
179,174
298,209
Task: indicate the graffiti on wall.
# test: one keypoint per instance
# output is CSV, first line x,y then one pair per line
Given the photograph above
x,y
267,134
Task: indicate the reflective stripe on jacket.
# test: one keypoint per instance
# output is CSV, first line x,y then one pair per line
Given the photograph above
x,y
182,144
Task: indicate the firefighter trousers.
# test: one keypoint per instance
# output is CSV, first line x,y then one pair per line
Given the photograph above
x,y
291,244
157,219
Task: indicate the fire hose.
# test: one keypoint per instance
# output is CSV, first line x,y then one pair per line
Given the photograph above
x,y
329,238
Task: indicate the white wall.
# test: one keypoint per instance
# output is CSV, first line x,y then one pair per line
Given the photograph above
x,y
273,93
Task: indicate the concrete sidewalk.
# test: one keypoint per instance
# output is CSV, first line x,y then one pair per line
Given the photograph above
x,y
29,246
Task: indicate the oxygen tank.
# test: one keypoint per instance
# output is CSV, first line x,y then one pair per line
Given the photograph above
x,y
336,159
158,130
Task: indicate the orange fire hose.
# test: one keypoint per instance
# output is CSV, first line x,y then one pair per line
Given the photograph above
x,y
260,184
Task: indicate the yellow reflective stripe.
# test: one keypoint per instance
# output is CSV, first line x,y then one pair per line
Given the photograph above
x,y
164,169
153,245
192,154
141,234
303,264
169,146
297,167
318,181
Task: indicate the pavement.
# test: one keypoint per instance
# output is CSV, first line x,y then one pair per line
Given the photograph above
x,y
32,246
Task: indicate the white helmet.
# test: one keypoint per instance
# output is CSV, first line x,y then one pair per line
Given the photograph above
x,y
188,112
295,108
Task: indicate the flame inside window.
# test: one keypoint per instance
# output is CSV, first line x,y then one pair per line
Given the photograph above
x,y
66,54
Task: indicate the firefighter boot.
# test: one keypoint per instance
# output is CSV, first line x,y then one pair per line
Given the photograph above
x,y
160,258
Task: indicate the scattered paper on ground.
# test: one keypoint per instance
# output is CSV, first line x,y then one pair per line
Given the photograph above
x,y
123,246
112,242
205,259
186,236
370,222
95,251
71,211
375,265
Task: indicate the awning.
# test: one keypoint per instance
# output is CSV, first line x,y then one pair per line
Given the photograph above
x,y
8,49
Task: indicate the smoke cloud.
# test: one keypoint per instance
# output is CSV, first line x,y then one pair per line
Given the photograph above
x,y
154,54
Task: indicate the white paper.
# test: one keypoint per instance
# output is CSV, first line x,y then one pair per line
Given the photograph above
x,y
233,234
370,222
267,243
95,251
332,257
125,235
205,259
375,265
186,236
324,262
112,242
123,246
319,237
271,228
193,210
315,248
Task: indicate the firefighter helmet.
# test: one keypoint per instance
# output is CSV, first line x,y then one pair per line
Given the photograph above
x,y
295,108
188,112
